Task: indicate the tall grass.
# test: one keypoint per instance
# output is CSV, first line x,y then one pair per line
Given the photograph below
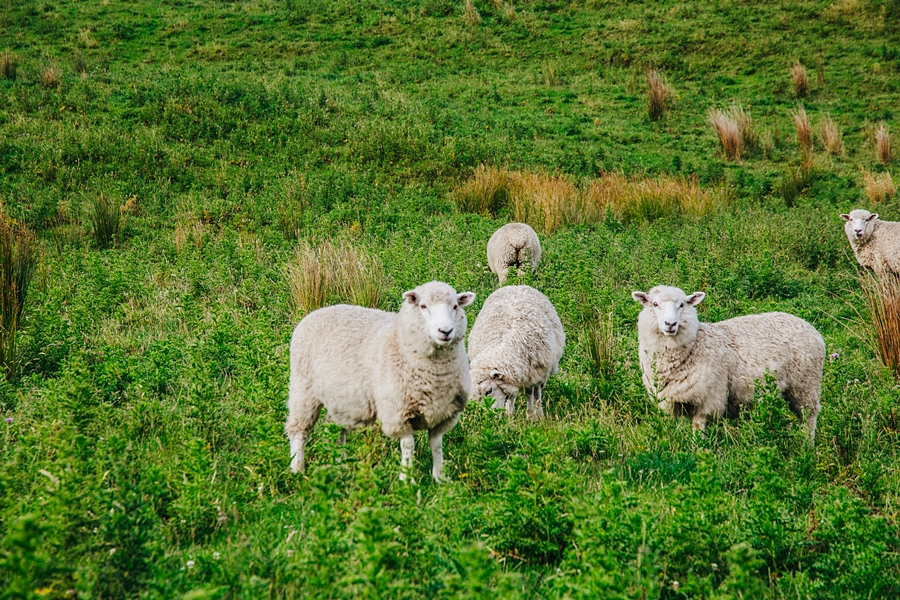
x,y
9,63
106,219
802,129
734,128
657,95
882,293
883,144
330,273
542,200
471,14
879,187
486,192
800,80
831,137
601,344
17,264
49,77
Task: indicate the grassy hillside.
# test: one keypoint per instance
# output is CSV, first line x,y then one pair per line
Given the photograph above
x,y
143,451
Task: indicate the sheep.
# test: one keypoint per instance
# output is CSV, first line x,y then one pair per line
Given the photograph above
x,y
513,245
408,370
516,343
707,370
876,244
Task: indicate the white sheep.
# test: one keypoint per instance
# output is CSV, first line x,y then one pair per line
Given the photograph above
x,y
408,370
707,370
513,245
516,343
876,244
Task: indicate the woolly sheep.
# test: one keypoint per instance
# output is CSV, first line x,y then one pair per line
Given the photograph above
x,y
516,343
513,245
707,370
408,370
875,243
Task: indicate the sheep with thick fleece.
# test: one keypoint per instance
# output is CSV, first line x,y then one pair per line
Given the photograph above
x,y
707,370
513,245
516,343
408,370
876,244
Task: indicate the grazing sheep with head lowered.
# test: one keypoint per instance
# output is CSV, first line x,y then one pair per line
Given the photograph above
x,y
513,245
516,343
707,370
876,244
408,370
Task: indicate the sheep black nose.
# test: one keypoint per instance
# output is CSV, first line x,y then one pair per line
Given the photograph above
x,y
446,332
671,324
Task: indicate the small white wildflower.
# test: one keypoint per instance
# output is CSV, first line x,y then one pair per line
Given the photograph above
x,y
715,567
216,555
190,564
675,585
112,551
290,553
856,381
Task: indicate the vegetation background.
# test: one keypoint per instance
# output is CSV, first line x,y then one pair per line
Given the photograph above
x,y
181,163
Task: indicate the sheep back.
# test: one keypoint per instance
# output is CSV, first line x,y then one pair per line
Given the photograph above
x,y
881,252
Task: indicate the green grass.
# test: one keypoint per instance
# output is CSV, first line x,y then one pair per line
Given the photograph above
x,y
145,456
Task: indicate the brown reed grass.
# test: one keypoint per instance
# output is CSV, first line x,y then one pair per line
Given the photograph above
x,y
802,129
831,136
657,95
486,192
882,293
331,273
883,144
542,200
471,14
18,258
728,132
9,64
49,77
879,187
800,80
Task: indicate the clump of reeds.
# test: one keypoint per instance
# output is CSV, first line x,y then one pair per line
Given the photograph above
x,y
106,219
471,14
657,95
486,192
800,80
879,187
550,75
882,294
831,137
647,199
883,144
734,128
9,64
333,272
542,200
49,77
601,344
802,129
17,264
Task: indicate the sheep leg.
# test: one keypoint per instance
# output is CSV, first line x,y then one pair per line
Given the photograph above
x,y
407,448
538,403
535,407
699,422
511,404
301,420
436,441
343,438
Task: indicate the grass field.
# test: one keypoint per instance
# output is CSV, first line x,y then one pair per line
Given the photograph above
x,y
143,452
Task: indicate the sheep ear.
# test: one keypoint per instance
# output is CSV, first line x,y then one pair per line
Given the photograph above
x,y
873,217
641,297
411,297
696,298
466,298
496,374
845,217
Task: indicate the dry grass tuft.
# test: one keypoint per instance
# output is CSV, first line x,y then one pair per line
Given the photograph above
x,y
333,273
543,201
9,63
800,80
803,129
471,14
646,199
485,193
728,131
883,144
17,264
49,77
883,297
879,187
189,230
831,137
86,38
657,95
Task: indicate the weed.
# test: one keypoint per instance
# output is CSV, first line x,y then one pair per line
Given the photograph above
x,y
728,132
86,38
657,95
486,192
799,80
17,263
294,201
879,187
831,137
9,63
802,129
80,64
601,345
882,293
331,272
106,219
550,78
883,144
49,77
471,14
646,199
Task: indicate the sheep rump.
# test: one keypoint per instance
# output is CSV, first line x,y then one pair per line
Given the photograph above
x,y
708,370
513,245
364,365
516,343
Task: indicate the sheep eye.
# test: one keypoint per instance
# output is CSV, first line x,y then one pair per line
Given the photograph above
x,y
422,306
455,307
682,305
655,305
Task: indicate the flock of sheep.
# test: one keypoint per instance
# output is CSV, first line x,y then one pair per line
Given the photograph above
x,y
410,370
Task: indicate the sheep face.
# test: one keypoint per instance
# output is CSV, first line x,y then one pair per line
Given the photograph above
x,y
438,308
495,387
668,304
859,226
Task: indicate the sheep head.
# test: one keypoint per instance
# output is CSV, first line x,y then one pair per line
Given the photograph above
x,y
437,309
859,226
671,306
